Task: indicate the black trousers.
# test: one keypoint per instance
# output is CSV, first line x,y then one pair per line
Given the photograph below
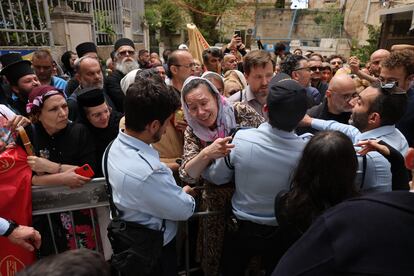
x,y
250,239
169,259
166,267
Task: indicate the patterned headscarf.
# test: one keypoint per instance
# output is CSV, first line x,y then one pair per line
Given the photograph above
x,y
225,116
39,95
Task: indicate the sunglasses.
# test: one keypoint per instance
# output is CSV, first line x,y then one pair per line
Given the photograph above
x,y
125,53
302,68
315,68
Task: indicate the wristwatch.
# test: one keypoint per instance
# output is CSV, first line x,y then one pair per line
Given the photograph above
x,y
13,225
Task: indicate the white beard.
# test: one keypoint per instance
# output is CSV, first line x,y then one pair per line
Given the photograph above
x,y
127,66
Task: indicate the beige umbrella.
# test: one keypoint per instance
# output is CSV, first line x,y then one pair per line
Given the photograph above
x,y
197,42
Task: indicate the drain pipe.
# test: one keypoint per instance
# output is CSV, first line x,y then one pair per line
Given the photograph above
x,y
367,12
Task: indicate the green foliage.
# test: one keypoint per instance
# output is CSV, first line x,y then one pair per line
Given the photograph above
x,y
171,17
102,24
280,4
364,52
331,21
16,17
163,16
153,18
207,14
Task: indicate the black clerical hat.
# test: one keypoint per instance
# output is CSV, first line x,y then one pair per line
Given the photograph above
x,y
85,47
123,41
90,97
14,67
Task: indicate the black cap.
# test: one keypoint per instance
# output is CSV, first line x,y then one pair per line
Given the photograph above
x,y
287,103
85,47
123,41
14,67
281,76
90,97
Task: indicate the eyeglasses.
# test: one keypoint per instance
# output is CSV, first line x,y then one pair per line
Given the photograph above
x,y
191,65
125,53
314,68
336,62
391,88
349,97
98,115
302,68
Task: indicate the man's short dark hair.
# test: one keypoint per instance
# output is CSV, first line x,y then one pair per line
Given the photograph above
x,y
141,52
331,57
215,52
316,55
256,58
165,54
80,262
291,63
279,47
391,104
148,100
404,58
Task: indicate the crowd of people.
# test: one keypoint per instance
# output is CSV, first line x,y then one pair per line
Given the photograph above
x,y
298,156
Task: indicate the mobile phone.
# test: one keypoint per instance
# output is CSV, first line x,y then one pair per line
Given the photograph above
x,y
237,32
85,171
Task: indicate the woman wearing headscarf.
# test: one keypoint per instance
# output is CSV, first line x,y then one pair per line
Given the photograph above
x,y
60,147
99,118
211,120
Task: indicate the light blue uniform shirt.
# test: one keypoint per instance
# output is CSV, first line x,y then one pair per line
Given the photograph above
x,y
378,176
263,160
4,226
59,83
144,188
388,134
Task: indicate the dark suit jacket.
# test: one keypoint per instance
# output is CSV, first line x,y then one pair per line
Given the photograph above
x,y
370,235
406,124
114,91
321,112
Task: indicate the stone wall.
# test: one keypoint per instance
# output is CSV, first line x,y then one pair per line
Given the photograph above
x,y
360,13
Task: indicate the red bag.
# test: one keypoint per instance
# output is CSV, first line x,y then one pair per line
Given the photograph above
x,y
15,204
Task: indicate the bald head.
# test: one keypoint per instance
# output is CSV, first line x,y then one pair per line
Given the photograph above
x,y
339,94
88,72
342,82
180,67
375,61
229,62
380,53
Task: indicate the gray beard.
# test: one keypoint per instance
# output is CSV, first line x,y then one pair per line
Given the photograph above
x,y
127,66
99,85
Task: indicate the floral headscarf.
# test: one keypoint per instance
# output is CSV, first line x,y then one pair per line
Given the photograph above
x,y
39,95
225,116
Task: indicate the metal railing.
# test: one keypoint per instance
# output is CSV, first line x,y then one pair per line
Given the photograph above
x,y
78,6
48,200
27,22
24,22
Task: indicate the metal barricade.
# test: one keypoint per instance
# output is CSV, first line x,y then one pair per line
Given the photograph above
x,y
48,200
